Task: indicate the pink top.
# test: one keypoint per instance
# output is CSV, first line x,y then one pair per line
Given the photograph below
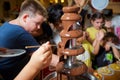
x,y
117,32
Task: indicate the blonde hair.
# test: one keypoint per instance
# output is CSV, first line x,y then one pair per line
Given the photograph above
x,y
33,7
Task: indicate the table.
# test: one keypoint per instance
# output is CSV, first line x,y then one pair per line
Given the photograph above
x,y
115,76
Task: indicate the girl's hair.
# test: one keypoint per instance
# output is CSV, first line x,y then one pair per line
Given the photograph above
x,y
97,15
110,36
54,13
32,7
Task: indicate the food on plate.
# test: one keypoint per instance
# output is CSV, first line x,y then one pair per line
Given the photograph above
x,y
3,50
105,70
115,66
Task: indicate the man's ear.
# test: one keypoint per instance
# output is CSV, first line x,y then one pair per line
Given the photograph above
x,y
25,17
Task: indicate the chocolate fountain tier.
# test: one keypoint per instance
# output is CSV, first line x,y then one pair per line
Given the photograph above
x,y
70,13
69,9
70,17
71,34
70,51
73,17
76,69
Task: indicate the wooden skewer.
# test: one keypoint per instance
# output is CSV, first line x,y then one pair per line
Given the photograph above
x,y
36,46
118,59
116,46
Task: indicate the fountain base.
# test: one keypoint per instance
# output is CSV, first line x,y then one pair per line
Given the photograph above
x,y
55,76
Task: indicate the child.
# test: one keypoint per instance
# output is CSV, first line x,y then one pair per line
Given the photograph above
x,y
104,53
97,20
88,37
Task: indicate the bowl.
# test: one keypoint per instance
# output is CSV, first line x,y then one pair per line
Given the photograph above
x,y
51,75
105,71
85,76
115,67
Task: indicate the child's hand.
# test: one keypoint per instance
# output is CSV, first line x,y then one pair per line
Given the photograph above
x,y
107,46
85,35
82,38
100,35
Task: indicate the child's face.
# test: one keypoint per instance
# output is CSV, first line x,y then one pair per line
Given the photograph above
x,y
97,23
107,42
58,25
107,45
108,23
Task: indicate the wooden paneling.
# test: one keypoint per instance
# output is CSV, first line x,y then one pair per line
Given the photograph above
x,y
115,6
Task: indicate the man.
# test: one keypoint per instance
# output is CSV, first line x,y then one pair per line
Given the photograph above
x,y
15,34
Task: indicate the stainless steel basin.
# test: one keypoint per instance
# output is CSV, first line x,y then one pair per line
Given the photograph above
x,y
51,75
85,76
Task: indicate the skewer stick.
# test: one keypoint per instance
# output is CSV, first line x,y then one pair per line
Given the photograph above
x,y
116,46
118,59
36,46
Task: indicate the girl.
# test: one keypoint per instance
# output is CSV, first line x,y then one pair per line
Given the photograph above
x,y
105,53
97,20
88,37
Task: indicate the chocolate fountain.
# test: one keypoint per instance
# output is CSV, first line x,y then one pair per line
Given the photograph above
x,y
68,67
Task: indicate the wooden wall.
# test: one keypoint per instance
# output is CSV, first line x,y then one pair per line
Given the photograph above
x,y
115,6
14,4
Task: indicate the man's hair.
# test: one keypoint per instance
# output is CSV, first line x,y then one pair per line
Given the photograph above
x,y
33,7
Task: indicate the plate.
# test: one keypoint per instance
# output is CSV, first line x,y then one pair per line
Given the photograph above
x,y
105,71
12,52
99,4
115,67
